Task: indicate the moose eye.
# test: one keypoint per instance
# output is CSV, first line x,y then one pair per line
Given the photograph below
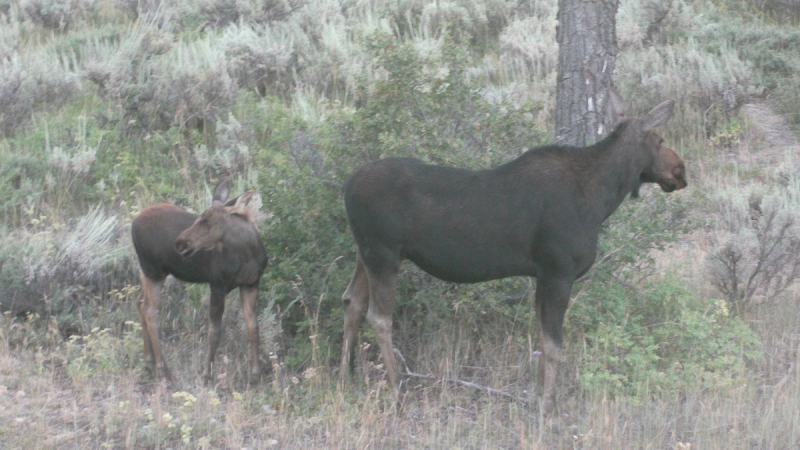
x,y
204,223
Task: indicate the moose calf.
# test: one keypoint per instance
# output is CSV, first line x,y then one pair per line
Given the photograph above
x,y
220,247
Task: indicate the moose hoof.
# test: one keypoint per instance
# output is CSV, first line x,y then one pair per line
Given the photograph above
x,y
254,378
207,377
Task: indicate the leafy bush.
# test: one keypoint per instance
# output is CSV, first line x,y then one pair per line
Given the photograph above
x,y
641,334
706,85
100,352
58,268
666,342
138,8
218,14
28,82
756,254
9,35
160,85
421,105
266,58
56,14
528,47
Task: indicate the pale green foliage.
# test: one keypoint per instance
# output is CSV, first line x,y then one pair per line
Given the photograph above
x,y
56,14
28,81
159,83
79,251
10,29
646,22
703,83
190,84
756,256
101,352
529,47
231,153
688,74
52,261
266,58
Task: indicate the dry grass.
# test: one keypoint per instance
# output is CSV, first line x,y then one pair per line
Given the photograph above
x,y
92,392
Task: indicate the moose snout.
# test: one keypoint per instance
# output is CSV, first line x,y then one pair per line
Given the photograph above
x,y
184,247
673,184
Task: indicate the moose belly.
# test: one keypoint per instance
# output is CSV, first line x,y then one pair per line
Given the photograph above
x,y
457,262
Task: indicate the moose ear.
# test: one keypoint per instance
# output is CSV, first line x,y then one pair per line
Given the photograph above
x,y
658,116
239,204
243,200
615,108
222,191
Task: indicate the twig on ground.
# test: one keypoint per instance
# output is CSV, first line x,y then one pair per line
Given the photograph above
x,y
785,378
470,384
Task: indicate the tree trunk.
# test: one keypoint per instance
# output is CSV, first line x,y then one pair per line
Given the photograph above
x,y
587,56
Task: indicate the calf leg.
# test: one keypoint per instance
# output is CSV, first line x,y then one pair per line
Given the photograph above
x,y
148,304
216,306
552,299
355,300
149,358
248,296
379,316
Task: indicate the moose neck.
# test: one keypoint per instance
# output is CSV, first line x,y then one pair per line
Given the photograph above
x,y
617,163
241,238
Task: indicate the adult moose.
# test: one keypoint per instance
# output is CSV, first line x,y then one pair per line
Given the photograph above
x,y
538,215
220,247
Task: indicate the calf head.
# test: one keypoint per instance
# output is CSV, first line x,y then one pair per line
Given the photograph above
x,y
211,227
666,168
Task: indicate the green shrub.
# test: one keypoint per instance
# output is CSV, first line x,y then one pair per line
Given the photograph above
x,y
664,342
62,270
642,335
266,59
56,14
100,352
422,106
29,82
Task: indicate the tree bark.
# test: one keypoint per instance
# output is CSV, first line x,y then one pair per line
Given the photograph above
x,y
587,55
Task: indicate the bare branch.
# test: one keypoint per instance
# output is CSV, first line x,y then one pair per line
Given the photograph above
x,y
470,384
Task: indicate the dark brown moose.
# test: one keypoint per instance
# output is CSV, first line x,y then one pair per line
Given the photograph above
x,y
220,247
538,215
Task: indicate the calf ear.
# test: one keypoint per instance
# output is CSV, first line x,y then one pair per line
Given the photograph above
x,y
240,204
222,191
658,116
244,199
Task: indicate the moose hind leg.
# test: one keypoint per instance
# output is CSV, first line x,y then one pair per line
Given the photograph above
x,y
148,311
355,300
248,296
379,316
216,306
552,299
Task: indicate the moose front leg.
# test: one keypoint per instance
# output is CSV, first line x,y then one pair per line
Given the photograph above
x,y
216,306
552,300
248,296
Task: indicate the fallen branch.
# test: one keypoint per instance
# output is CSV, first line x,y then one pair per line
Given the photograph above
x,y
470,384
785,378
